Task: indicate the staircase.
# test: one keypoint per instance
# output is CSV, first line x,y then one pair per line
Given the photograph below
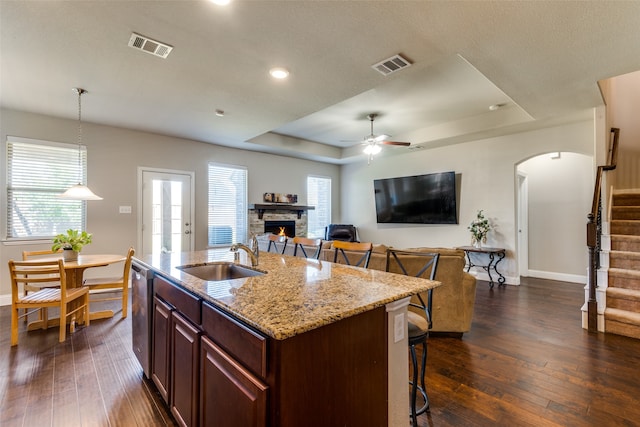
x,y
622,314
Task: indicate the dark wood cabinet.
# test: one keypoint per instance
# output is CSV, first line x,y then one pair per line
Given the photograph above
x,y
214,369
230,395
160,361
185,361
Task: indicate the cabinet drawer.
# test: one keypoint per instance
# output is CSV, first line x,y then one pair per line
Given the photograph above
x,y
183,301
245,345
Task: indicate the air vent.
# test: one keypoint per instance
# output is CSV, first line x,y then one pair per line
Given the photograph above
x,y
150,46
391,65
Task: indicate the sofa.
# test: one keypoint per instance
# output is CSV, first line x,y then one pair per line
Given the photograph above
x,y
453,302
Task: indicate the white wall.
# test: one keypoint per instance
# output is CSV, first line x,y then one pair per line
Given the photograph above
x,y
487,171
114,155
557,213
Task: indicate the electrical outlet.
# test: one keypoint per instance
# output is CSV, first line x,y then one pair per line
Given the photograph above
x,y
398,327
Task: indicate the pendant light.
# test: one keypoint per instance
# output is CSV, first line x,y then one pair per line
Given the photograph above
x,y
80,191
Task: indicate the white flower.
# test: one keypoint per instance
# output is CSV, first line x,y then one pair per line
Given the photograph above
x,y
479,228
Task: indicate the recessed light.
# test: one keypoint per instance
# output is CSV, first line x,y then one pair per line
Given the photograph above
x,y
220,2
279,73
220,113
495,107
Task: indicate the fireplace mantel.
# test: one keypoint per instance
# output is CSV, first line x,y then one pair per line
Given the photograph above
x,y
260,208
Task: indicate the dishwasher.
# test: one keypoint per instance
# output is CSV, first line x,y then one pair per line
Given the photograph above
x,y
141,314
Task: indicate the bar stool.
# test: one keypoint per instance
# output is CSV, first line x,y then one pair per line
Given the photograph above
x,y
274,239
301,242
418,318
358,247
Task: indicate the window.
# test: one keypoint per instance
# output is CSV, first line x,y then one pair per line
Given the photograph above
x,y
37,172
227,204
319,196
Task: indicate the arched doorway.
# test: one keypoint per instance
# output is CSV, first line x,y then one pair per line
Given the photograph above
x,y
553,197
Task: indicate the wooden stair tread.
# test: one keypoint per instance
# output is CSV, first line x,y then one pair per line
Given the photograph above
x,y
625,237
630,294
622,272
625,221
622,316
624,254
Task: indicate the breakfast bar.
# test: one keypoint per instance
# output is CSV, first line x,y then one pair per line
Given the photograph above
x,y
290,342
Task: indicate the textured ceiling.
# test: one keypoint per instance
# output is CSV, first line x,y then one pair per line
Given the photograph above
x,y
541,59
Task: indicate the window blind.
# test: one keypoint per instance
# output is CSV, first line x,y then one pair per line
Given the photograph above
x,y
37,173
227,217
319,196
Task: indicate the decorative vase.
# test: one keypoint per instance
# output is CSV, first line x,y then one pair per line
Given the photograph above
x,y
70,255
477,244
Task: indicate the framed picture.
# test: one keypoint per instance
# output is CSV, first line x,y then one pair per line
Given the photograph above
x,y
280,198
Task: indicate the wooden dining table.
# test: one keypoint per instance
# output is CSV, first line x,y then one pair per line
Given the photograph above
x,y
74,271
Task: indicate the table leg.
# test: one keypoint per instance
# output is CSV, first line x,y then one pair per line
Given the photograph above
x,y
488,268
469,264
501,278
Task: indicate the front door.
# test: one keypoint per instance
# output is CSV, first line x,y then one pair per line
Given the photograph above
x,y
166,212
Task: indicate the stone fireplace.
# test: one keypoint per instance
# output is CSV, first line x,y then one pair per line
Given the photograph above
x,y
295,217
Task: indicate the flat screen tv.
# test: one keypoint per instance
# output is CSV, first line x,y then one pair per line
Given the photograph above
x,y
420,199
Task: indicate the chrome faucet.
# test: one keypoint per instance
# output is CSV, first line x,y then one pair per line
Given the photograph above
x,y
253,253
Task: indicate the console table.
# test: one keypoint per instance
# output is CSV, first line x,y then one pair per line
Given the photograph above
x,y
495,256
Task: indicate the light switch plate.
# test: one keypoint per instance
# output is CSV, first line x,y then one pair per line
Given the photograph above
x,y
125,209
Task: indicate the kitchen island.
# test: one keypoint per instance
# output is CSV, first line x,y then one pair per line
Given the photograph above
x,y
306,343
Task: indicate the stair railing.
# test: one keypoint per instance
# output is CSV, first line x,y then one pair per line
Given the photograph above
x,y
594,231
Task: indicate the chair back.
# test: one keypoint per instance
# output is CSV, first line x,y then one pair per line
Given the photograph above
x,y
301,242
127,265
36,273
417,264
274,240
27,255
340,247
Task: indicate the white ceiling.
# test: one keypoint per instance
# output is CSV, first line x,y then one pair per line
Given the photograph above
x,y
541,59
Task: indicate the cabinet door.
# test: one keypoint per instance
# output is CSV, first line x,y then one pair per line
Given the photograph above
x,y
185,359
230,395
161,346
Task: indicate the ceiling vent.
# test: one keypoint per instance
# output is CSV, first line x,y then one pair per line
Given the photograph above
x,y
391,65
153,47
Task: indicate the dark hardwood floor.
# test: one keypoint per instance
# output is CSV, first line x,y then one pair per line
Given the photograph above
x,y
527,361
92,379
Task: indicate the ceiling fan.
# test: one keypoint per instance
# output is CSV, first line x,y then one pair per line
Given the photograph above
x,y
372,142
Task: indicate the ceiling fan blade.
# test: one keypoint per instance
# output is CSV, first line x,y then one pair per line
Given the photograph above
x,y
403,144
379,138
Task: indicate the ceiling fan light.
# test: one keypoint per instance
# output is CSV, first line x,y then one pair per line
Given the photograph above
x,y
79,192
372,149
279,73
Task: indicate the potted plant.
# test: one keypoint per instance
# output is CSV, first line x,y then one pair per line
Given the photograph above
x,y
479,228
72,242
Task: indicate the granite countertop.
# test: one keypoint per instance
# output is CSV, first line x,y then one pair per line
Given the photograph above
x,y
295,295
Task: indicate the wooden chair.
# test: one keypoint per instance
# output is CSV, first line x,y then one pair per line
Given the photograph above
x,y
119,283
418,316
274,240
341,247
33,273
34,256
301,242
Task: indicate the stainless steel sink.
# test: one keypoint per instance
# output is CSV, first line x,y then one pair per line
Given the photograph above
x,y
214,271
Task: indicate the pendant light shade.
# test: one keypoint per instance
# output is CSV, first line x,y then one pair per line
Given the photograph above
x,y
79,191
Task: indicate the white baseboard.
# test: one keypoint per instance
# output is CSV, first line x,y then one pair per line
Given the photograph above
x,y
563,277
